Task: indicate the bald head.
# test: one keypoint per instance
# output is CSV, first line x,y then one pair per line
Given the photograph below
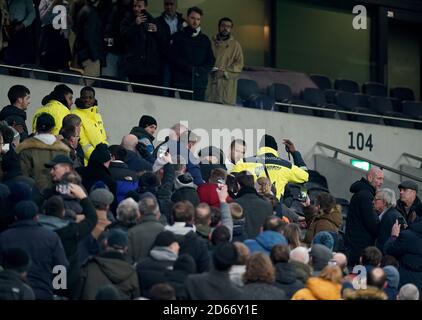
x,y
375,176
408,292
299,254
340,259
377,278
129,142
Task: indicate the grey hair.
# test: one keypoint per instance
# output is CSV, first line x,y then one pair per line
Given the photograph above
x,y
128,211
148,205
299,254
409,292
388,196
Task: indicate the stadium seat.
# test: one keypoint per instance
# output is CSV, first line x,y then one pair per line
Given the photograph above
x,y
260,101
363,100
402,93
323,82
413,109
4,71
346,85
245,89
374,89
110,85
72,77
350,102
330,95
384,106
280,93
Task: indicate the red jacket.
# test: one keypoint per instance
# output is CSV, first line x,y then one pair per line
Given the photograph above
x,y
207,193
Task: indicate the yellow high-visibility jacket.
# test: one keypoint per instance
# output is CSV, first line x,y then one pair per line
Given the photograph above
x,y
92,130
280,171
57,110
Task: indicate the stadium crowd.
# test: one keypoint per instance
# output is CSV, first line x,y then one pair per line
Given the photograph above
x,y
81,219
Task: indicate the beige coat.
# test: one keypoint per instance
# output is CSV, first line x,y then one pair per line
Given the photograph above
x,y
228,56
4,21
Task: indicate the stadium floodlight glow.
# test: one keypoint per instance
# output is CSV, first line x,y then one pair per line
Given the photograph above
x,y
360,164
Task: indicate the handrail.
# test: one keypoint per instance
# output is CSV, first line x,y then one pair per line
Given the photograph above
x,y
347,112
95,78
377,164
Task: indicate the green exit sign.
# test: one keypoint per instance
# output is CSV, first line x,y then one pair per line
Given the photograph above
x,y
361,164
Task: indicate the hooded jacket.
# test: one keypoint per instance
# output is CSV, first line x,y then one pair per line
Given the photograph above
x,y
144,137
109,268
265,241
287,279
92,129
9,111
319,289
324,222
185,190
55,107
362,221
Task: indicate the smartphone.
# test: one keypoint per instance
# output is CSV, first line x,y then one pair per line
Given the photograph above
x,y
303,194
402,222
63,188
6,147
221,183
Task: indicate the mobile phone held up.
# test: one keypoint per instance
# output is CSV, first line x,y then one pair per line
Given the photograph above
x,y
63,189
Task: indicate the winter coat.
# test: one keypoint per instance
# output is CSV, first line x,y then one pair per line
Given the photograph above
x,y
191,59
142,237
126,179
92,130
12,111
144,137
109,268
407,248
13,287
280,171
411,216
322,221
362,221
136,163
54,108
142,47
262,291
371,293
213,285
319,289
255,210
236,274
303,271
239,231
229,56
94,173
166,34
265,241
385,225
287,279
208,193
184,192
44,248
34,154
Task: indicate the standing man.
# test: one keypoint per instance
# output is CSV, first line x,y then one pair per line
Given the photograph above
x,y
408,200
362,221
15,113
145,132
222,83
191,57
169,23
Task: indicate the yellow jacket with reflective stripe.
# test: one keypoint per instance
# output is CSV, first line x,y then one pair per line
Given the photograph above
x,y
57,110
92,130
280,171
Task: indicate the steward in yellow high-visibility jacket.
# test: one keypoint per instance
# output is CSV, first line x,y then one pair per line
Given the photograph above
x,y
279,171
56,104
92,126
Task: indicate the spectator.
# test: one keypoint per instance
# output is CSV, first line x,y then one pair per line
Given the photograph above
x,y
370,258
408,200
101,198
111,267
211,158
285,274
292,233
192,58
207,192
239,232
281,171
254,207
35,152
92,130
186,148
162,291
222,84
133,159
15,113
326,286
141,37
161,258
169,23
271,235
142,236
127,215
58,167
19,49
384,205
299,254
216,285
71,139
408,292
319,256
324,216
88,48
376,282
299,258
237,270
75,123
184,189
393,280
4,21
182,268
108,292
324,238
388,260
362,222
12,171
406,246
341,260
42,245
203,220
57,104
55,51
145,132
237,153
13,282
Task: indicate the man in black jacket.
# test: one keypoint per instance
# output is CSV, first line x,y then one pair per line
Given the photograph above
x,y
191,57
362,221
15,113
408,200
141,37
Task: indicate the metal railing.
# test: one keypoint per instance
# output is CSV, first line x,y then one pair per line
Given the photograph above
x,y
82,77
377,164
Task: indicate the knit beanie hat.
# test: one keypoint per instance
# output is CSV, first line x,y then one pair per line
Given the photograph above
x,y
268,141
16,259
101,154
164,239
26,210
147,121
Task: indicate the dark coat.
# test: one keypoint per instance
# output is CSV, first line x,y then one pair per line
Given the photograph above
x,y
407,248
12,287
109,268
322,221
94,173
411,216
197,248
287,280
191,59
166,34
45,249
262,291
255,210
361,222
144,137
384,227
213,285
136,163
186,193
112,28
182,268
14,112
121,171
142,50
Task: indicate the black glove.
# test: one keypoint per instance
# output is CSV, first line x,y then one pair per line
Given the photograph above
x,y
142,150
